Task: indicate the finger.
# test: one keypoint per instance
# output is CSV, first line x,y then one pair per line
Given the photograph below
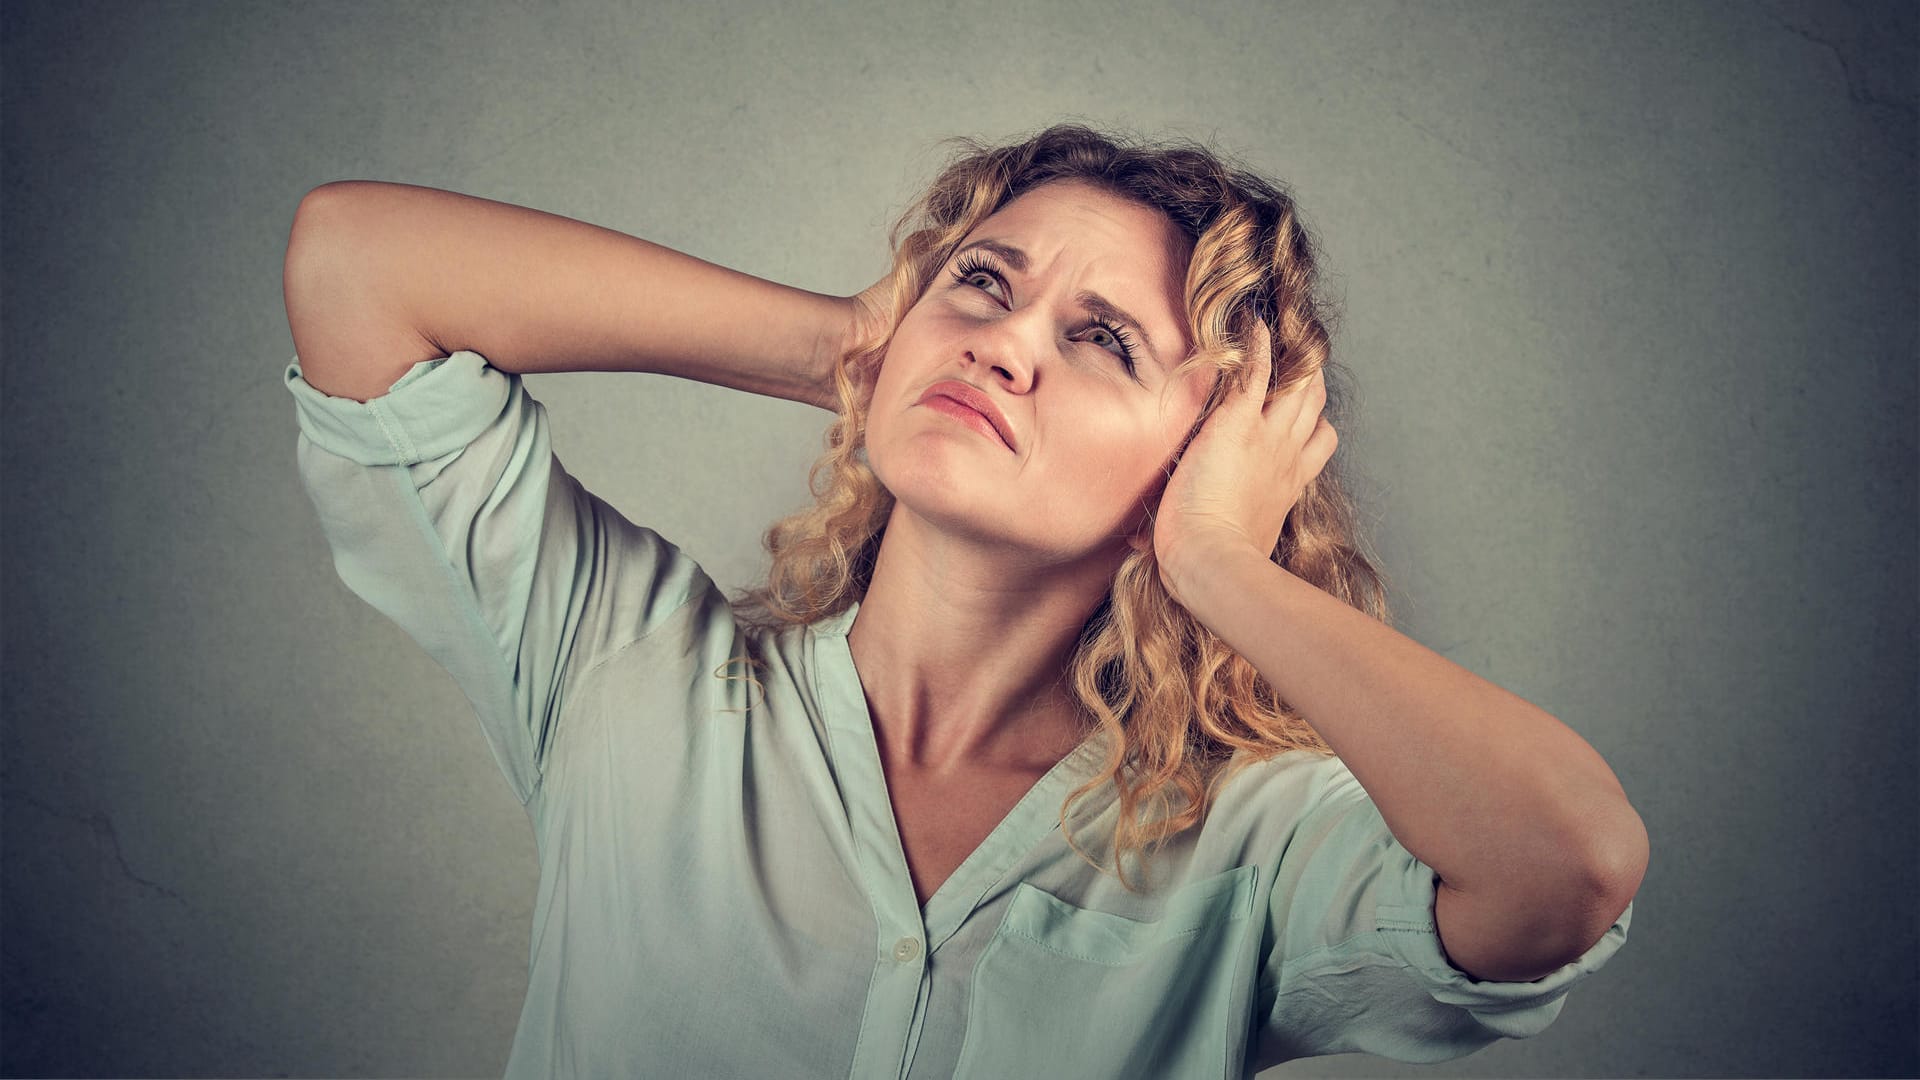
x,y
1259,363
1319,448
1312,394
1314,384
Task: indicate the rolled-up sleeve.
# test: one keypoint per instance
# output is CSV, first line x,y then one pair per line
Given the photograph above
x,y
447,511
1357,964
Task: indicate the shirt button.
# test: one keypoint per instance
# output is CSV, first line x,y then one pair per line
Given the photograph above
x,y
906,949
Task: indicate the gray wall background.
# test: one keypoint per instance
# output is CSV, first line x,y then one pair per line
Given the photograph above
x,y
1631,305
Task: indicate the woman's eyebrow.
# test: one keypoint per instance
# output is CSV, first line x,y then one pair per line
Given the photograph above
x,y
1087,298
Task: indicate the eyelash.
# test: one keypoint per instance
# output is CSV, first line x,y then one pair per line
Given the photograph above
x,y
974,264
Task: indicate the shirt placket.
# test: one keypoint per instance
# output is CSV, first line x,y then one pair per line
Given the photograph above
x,y
894,1013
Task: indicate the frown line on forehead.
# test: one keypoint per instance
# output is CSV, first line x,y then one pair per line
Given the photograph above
x,y
1086,298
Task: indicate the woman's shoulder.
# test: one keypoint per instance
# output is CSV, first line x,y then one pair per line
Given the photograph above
x,y
1298,769
1266,799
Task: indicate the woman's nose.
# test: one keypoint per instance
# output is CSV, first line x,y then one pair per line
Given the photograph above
x,y
1017,375
1008,347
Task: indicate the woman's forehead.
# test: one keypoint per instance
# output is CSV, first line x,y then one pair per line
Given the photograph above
x,y
1140,254
1068,210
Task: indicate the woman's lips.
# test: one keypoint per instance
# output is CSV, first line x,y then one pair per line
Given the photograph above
x,y
966,414
970,399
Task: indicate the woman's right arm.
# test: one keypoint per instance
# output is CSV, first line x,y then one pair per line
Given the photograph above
x,y
381,276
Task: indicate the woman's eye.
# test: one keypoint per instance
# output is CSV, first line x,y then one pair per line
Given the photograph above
x,y
970,273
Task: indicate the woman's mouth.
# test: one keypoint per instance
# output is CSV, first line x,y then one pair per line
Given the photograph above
x,y
971,406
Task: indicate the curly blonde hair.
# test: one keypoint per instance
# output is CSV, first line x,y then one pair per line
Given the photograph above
x,y
1182,711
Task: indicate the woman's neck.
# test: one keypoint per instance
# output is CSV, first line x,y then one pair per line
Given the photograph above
x,y
962,650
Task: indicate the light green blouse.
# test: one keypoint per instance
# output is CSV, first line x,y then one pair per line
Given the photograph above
x,y
723,891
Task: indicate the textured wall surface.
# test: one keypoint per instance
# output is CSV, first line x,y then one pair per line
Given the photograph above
x,y
1629,299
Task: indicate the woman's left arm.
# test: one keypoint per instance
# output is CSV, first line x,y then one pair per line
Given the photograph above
x,y
1537,848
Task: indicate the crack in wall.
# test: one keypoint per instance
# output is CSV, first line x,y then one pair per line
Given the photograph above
x,y
1857,91
101,825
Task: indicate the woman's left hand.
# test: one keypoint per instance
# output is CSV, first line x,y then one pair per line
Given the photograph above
x,y
1242,474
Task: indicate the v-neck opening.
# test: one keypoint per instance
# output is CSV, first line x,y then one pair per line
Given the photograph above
x,y
869,798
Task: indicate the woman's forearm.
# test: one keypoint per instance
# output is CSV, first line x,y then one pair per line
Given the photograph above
x,y
1503,800
377,272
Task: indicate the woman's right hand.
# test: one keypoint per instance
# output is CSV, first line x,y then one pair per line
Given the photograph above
x,y
872,308
868,313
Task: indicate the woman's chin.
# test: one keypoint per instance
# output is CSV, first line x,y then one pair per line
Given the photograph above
x,y
951,510
952,495
1001,526
933,477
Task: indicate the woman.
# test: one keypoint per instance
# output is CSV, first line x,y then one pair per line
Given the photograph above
x,y
1075,551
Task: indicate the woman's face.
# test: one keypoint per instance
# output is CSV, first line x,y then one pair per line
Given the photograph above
x,y
1090,428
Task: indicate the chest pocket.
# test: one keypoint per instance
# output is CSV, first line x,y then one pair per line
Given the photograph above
x,y
1063,991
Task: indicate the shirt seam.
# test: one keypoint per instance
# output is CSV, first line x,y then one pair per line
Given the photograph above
x,y
476,618
396,433
593,666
